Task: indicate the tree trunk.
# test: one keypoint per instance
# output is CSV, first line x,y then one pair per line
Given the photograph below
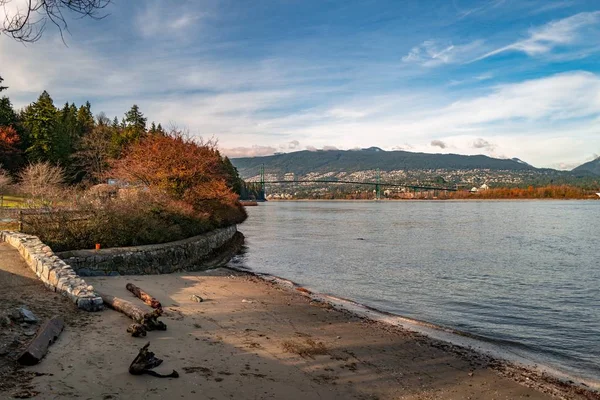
x,y
124,306
145,297
38,347
149,320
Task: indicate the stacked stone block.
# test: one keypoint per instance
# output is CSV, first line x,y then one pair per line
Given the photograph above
x,y
57,275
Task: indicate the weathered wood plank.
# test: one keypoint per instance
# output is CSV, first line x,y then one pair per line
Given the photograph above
x,y
38,347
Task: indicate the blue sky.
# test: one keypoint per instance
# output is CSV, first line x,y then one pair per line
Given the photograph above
x,y
507,78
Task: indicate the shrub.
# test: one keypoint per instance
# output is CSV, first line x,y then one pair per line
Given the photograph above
x,y
43,182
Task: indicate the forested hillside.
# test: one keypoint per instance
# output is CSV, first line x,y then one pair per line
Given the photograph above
x,y
303,162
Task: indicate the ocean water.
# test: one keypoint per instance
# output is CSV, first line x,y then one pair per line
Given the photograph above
x,y
524,275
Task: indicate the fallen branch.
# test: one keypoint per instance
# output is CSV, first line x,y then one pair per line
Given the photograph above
x,y
38,347
149,321
145,297
145,361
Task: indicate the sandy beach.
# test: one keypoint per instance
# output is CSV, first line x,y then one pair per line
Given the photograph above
x,y
251,339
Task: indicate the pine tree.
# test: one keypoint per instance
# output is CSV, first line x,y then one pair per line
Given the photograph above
x,y
8,116
66,135
40,122
85,119
160,130
115,123
2,87
152,130
135,123
233,179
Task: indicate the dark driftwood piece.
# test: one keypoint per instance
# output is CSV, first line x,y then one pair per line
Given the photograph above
x,y
145,361
38,347
145,297
149,321
137,330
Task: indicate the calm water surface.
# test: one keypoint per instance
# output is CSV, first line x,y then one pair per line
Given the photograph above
x,y
523,274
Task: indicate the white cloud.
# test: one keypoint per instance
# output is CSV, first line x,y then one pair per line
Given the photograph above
x,y
346,113
544,39
254,151
432,53
159,18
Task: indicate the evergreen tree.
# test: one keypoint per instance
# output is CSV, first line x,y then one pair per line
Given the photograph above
x,y
8,116
152,130
66,135
135,122
160,130
2,87
232,176
85,119
40,122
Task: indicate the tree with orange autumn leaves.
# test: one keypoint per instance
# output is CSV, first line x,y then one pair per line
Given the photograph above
x,y
187,172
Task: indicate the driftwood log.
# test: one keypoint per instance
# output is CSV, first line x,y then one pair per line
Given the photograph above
x,y
145,297
148,321
38,347
145,361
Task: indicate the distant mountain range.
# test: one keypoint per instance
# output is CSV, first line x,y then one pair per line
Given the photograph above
x,y
414,167
592,167
321,161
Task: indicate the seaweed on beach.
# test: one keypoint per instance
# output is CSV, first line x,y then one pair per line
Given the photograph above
x,y
308,349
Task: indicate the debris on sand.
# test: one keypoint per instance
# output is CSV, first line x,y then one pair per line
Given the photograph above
x,y
145,361
196,298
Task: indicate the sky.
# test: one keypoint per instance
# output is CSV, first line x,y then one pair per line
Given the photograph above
x,y
505,78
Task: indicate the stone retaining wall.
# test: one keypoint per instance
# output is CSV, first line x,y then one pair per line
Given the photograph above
x,y
186,254
54,272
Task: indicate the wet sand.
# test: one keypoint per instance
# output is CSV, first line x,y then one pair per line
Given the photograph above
x,y
251,339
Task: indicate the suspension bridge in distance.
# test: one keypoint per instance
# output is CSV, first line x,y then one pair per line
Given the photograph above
x,y
377,185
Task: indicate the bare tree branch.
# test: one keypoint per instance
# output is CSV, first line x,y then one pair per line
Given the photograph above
x,y
29,25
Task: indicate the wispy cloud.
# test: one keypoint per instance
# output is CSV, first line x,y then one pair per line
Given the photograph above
x,y
254,151
159,18
432,53
491,4
551,6
555,34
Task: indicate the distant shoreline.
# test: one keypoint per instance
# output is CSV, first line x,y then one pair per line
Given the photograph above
x,y
431,200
